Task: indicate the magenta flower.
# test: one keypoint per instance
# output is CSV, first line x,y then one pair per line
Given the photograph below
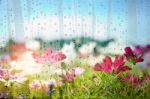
x,y
134,80
108,66
139,50
105,66
49,57
132,57
147,48
119,65
69,76
128,52
131,80
146,77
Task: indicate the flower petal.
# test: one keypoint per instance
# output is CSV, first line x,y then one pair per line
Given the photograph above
x,y
129,52
107,64
119,61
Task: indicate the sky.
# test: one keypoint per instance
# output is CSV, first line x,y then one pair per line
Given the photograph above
x,y
126,20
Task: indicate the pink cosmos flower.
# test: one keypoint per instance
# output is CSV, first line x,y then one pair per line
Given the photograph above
x,y
119,65
147,48
4,73
139,50
146,77
131,79
78,71
144,52
108,66
35,85
48,52
58,56
105,66
42,85
49,57
131,56
69,76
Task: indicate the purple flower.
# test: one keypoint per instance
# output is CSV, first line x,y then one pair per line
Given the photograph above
x,y
132,57
139,50
3,95
6,75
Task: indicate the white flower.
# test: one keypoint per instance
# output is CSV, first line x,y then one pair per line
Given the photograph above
x,y
69,51
87,49
33,45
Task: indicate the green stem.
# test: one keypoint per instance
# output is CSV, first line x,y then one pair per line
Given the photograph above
x,y
67,90
60,93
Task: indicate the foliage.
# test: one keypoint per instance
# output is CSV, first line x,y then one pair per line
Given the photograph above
x,y
118,79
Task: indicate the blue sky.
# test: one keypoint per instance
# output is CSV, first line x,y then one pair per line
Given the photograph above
x,y
52,19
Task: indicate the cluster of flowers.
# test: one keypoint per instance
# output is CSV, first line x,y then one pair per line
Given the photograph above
x,y
145,53
71,74
42,85
7,76
67,77
50,57
140,50
118,66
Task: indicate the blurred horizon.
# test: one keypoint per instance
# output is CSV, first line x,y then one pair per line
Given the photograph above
x,y
127,21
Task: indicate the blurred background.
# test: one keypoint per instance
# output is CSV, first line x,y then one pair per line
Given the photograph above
x,y
55,23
